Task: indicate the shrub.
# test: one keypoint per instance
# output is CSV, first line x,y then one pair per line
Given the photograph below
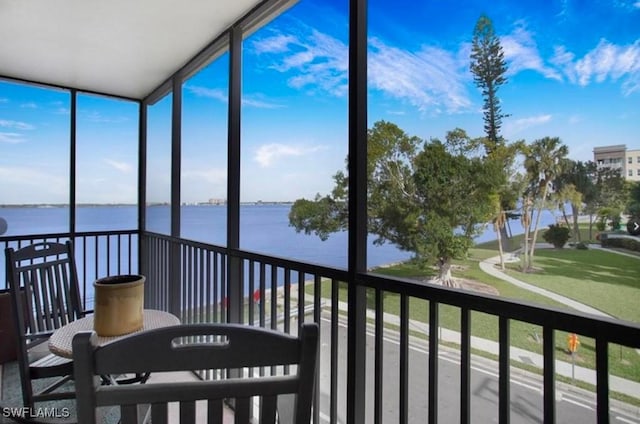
x,y
615,222
625,243
557,235
582,246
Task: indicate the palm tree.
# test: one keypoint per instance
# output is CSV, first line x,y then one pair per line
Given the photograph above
x,y
543,162
576,186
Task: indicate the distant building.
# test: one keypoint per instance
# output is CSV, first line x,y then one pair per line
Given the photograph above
x,y
619,157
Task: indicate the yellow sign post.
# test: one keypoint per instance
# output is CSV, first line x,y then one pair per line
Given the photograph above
x,y
573,342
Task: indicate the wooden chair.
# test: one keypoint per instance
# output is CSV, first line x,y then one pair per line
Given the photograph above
x,y
198,347
45,296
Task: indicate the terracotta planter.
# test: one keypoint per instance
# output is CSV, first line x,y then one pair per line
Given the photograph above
x,y
119,301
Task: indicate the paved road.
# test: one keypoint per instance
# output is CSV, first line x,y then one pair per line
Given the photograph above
x,y
526,390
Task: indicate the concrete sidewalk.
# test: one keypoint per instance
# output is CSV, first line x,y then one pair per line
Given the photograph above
x,y
489,266
617,384
566,369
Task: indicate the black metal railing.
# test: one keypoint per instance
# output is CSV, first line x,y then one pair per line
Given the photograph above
x,y
604,331
279,293
97,255
191,280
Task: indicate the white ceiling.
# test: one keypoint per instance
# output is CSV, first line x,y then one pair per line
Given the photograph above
x,y
119,47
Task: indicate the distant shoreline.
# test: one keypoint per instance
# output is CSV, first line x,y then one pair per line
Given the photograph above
x,y
94,205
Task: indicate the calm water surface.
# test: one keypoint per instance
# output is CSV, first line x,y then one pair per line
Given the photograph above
x,y
263,229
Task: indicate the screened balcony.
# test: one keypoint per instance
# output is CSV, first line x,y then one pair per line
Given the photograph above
x,y
375,366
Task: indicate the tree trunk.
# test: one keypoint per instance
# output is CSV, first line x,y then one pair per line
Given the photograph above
x,y
576,229
526,224
504,236
564,215
499,237
535,229
444,274
590,226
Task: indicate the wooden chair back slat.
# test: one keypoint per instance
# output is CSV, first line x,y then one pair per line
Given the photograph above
x,y
45,296
229,347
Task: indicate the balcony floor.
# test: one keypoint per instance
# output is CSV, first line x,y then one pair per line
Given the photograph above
x,y
10,397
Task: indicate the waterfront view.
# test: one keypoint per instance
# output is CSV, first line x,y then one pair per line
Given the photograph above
x,y
449,190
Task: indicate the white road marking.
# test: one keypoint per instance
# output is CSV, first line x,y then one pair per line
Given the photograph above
x,y
575,402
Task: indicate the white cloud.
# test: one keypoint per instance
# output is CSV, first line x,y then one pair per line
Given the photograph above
x,y
432,79
200,183
276,44
255,101
636,5
564,61
16,125
124,167
212,93
98,117
518,125
429,79
218,94
11,138
521,53
21,183
607,61
319,61
575,119
212,175
29,105
267,154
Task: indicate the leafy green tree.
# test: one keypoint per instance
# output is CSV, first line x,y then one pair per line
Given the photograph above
x,y
489,68
390,152
611,194
567,193
543,163
581,176
430,201
454,200
633,206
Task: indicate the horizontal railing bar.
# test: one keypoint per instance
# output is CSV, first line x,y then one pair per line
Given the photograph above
x,y
6,239
305,267
192,243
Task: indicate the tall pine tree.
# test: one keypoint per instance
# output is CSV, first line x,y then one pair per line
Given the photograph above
x,y
488,68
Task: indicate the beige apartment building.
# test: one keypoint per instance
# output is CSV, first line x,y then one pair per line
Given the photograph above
x,y
619,157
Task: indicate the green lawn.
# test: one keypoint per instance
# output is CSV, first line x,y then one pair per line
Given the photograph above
x,y
604,280
607,281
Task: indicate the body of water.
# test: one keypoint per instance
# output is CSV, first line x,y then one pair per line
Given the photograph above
x,y
263,228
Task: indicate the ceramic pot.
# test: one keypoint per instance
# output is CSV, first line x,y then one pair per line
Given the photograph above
x,y
118,305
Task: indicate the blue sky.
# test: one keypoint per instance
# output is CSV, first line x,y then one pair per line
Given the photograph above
x,y
574,73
